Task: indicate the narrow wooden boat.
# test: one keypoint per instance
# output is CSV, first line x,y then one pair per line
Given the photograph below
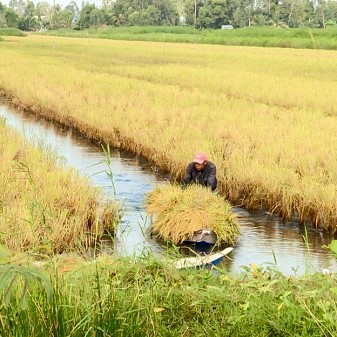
x,y
205,261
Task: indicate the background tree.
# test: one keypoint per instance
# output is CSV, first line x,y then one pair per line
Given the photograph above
x,y
243,13
212,14
11,17
73,8
144,12
264,10
60,18
201,14
144,17
2,16
97,17
27,21
85,20
18,6
44,14
331,12
168,12
325,13
192,9
107,4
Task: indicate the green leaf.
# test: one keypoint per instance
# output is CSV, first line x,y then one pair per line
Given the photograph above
x,y
332,247
5,276
9,290
23,299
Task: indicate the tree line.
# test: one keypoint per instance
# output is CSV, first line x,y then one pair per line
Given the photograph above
x,y
201,14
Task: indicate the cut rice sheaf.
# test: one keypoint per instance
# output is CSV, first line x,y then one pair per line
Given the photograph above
x,y
178,213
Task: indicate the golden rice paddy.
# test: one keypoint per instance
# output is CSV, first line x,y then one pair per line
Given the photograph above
x,y
178,213
44,207
266,117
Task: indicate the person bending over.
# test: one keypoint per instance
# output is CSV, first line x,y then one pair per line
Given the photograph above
x,y
201,171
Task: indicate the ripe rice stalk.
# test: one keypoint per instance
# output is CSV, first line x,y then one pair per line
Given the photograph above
x,y
178,213
44,206
111,216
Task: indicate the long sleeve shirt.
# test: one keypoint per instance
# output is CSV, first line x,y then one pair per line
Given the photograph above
x,y
205,177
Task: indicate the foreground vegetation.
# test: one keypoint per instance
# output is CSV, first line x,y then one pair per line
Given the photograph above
x,y
304,38
144,297
258,113
45,208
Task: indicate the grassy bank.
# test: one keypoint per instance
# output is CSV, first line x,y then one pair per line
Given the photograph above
x,y
303,38
259,113
46,208
149,298
11,32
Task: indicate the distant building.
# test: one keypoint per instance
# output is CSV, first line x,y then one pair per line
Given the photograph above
x,y
227,27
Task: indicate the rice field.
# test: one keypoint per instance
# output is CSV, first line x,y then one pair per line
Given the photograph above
x,y
265,116
45,208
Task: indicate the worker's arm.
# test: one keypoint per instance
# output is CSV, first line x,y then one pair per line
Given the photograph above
x,y
188,175
211,181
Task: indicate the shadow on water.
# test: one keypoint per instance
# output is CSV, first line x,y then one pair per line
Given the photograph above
x,y
262,238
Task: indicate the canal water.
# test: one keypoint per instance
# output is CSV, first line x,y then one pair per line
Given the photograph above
x,y
264,240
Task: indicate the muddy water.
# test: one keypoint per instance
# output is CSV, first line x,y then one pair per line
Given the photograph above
x,y
264,241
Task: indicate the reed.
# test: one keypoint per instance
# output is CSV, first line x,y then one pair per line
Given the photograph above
x,y
178,213
258,113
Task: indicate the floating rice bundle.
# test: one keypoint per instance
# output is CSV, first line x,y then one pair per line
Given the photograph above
x,y
178,213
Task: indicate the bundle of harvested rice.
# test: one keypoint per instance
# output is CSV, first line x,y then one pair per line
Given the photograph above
x,y
178,213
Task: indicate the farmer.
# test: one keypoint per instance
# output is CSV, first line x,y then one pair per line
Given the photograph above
x,y
201,171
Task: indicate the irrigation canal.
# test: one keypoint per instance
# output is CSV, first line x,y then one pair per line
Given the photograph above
x,y
264,237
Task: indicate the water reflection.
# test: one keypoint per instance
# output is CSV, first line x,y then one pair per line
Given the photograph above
x,y
263,236
288,247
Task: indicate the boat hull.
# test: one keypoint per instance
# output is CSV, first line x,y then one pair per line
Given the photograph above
x,y
205,261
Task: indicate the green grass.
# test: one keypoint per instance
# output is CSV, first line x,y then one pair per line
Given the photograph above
x,y
249,36
11,32
145,297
